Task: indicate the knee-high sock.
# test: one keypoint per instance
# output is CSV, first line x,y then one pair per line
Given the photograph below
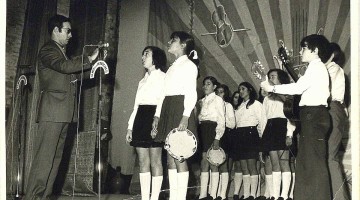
x,y
214,183
268,186
173,183
223,185
254,179
286,181
247,183
183,179
145,181
156,183
238,178
291,195
258,188
204,180
219,187
276,184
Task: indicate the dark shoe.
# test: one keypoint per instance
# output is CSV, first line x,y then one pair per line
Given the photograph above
x,y
218,198
260,198
289,198
281,198
242,197
236,197
250,198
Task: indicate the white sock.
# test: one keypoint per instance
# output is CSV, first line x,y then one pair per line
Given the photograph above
x,y
219,187
276,184
214,184
145,181
204,180
286,181
258,187
173,183
247,183
209,186
254,179
183,179
268,186
223,184
238,178
291,195
156,187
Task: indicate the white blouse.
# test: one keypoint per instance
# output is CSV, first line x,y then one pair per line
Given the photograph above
x,y
213,109
254,115
229,116
150,91
180,79
274,108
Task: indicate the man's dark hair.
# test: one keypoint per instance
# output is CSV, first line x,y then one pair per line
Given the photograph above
x,y
317,41
339,56
57,21
158,57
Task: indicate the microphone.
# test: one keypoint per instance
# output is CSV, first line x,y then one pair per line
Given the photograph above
x,y
98,45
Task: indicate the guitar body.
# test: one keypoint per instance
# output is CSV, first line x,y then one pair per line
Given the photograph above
x,y
291,107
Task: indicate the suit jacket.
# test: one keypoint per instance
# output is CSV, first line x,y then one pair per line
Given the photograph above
x,y
57,75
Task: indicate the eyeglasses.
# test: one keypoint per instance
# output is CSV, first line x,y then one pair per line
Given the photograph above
x,y
68,30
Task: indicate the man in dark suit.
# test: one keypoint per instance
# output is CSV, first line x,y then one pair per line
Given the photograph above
x,y
57,103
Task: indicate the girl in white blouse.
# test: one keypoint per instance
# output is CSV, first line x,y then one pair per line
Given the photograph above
x,y
278,135
212,127
250,122
150,91
177,108
223,91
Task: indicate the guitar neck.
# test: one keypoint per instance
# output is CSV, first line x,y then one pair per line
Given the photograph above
x,y
291,71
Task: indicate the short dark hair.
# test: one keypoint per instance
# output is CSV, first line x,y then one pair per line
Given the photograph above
x,y
282,75
158,57
186,38
56,21
213,81
317,41
339,56
226,89
252,94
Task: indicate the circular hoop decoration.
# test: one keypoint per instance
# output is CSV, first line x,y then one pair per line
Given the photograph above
x,y
181,144
216,157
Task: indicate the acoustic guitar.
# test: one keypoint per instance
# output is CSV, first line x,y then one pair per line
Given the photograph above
x,y
291,103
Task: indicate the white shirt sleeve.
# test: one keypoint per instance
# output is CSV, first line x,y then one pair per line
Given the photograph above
x,y
220,109
190,94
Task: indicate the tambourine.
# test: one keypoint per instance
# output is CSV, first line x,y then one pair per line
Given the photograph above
x,y
181,144
216,157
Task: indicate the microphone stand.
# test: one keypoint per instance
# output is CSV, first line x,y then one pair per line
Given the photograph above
x,y
99,64
19,178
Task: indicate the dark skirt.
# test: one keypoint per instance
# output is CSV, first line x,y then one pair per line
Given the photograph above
x,y
141,135
225,141
171,115
245,143
274,137
207,135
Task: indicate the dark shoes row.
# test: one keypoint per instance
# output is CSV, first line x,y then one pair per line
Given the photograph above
x,y
236,197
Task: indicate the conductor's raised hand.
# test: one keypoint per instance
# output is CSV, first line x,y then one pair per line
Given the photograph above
x,y
94,55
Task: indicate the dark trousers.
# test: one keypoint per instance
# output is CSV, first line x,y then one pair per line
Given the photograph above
x,y
48,150
312,173
340,190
